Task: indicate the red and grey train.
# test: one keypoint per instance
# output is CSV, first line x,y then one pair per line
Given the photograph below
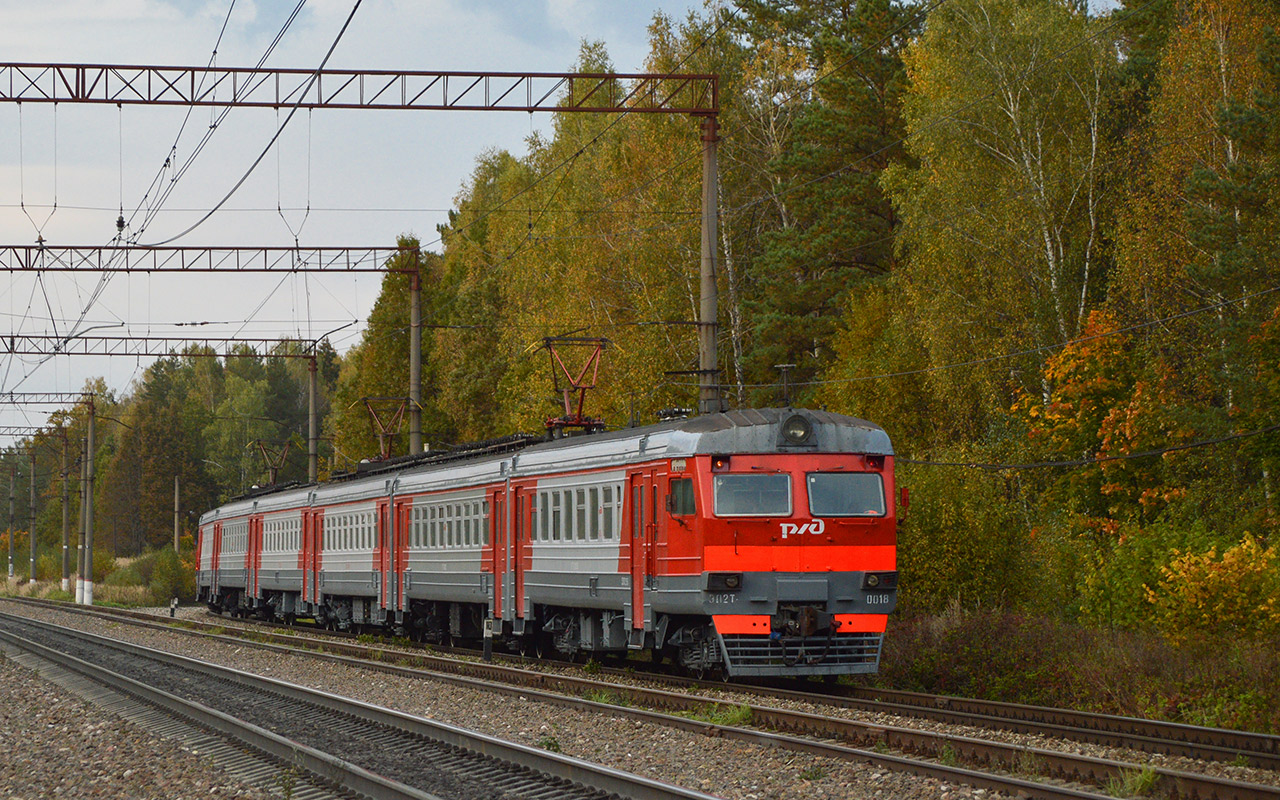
x,y
755,543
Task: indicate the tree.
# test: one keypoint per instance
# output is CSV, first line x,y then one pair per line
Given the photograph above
x,y
835,225
1002,218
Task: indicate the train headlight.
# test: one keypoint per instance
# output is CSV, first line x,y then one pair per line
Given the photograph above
x,y
724,581
880,580
796,429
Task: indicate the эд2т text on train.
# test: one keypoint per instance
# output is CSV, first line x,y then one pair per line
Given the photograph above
x,y
754,543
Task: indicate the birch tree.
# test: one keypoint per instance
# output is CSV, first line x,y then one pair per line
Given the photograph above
x,y
1002,218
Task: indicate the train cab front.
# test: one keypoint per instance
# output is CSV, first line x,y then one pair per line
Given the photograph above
x,y
799,560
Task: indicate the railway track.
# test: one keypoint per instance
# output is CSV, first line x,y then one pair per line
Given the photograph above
x,y
384,754
650,704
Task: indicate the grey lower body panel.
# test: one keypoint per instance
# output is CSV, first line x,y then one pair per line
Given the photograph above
x,y
608,591
452,587
362,583
280,580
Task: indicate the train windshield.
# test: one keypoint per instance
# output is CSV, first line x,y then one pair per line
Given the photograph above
x,y
753,495
846,494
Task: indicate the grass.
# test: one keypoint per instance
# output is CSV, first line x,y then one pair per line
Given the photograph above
x,y
813,774
549,743
726,714
947,757
1028,764
606,697
1133,783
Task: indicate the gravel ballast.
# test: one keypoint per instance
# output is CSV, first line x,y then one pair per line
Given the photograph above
x,y
722,767
57,745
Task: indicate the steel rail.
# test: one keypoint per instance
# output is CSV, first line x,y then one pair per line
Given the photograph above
x,y
594,777
1053,763
1260,750
322,765
1223,739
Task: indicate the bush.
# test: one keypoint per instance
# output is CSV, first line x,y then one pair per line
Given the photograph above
x,y
1045,661
1117,568
49,565
1202,597
170,578
125,575
103,564
961,538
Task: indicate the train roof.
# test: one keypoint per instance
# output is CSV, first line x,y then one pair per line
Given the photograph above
x,y
727,433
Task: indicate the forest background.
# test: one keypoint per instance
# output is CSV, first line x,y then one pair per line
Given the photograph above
x,y
1037,245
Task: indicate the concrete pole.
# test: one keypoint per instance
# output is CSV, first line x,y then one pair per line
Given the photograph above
x,y
84,470
13,476
31,517
313,429
708,367
88,512
175,514
415,360
66,515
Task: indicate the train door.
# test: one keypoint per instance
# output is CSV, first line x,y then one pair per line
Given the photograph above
x,y
383,547
316,559
253,558
304,552
642,496
404,538
216,560
498,550
521,544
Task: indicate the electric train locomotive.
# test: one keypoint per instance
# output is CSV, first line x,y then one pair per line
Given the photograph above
x,y
750,543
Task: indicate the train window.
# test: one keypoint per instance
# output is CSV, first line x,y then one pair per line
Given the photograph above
x,y
468,539
544,513
682,503
594,505
846,494
555,516
570,515
484,510
580,526
758,495
608,514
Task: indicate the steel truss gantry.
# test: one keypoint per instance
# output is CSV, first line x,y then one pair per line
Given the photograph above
x,y
695,95
384,89
134,258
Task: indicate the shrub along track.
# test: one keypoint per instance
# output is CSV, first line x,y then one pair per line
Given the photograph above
x,y
946,749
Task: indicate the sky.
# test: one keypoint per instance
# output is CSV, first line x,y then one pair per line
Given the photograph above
x,y
367,176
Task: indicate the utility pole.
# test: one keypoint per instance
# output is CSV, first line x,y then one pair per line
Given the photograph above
x,y
708,369
13,476
313,430
415,359
175,514
88,508
84,470
31,524
66,515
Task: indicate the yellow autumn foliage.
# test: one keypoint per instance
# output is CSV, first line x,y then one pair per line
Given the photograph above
x,y
1202,595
